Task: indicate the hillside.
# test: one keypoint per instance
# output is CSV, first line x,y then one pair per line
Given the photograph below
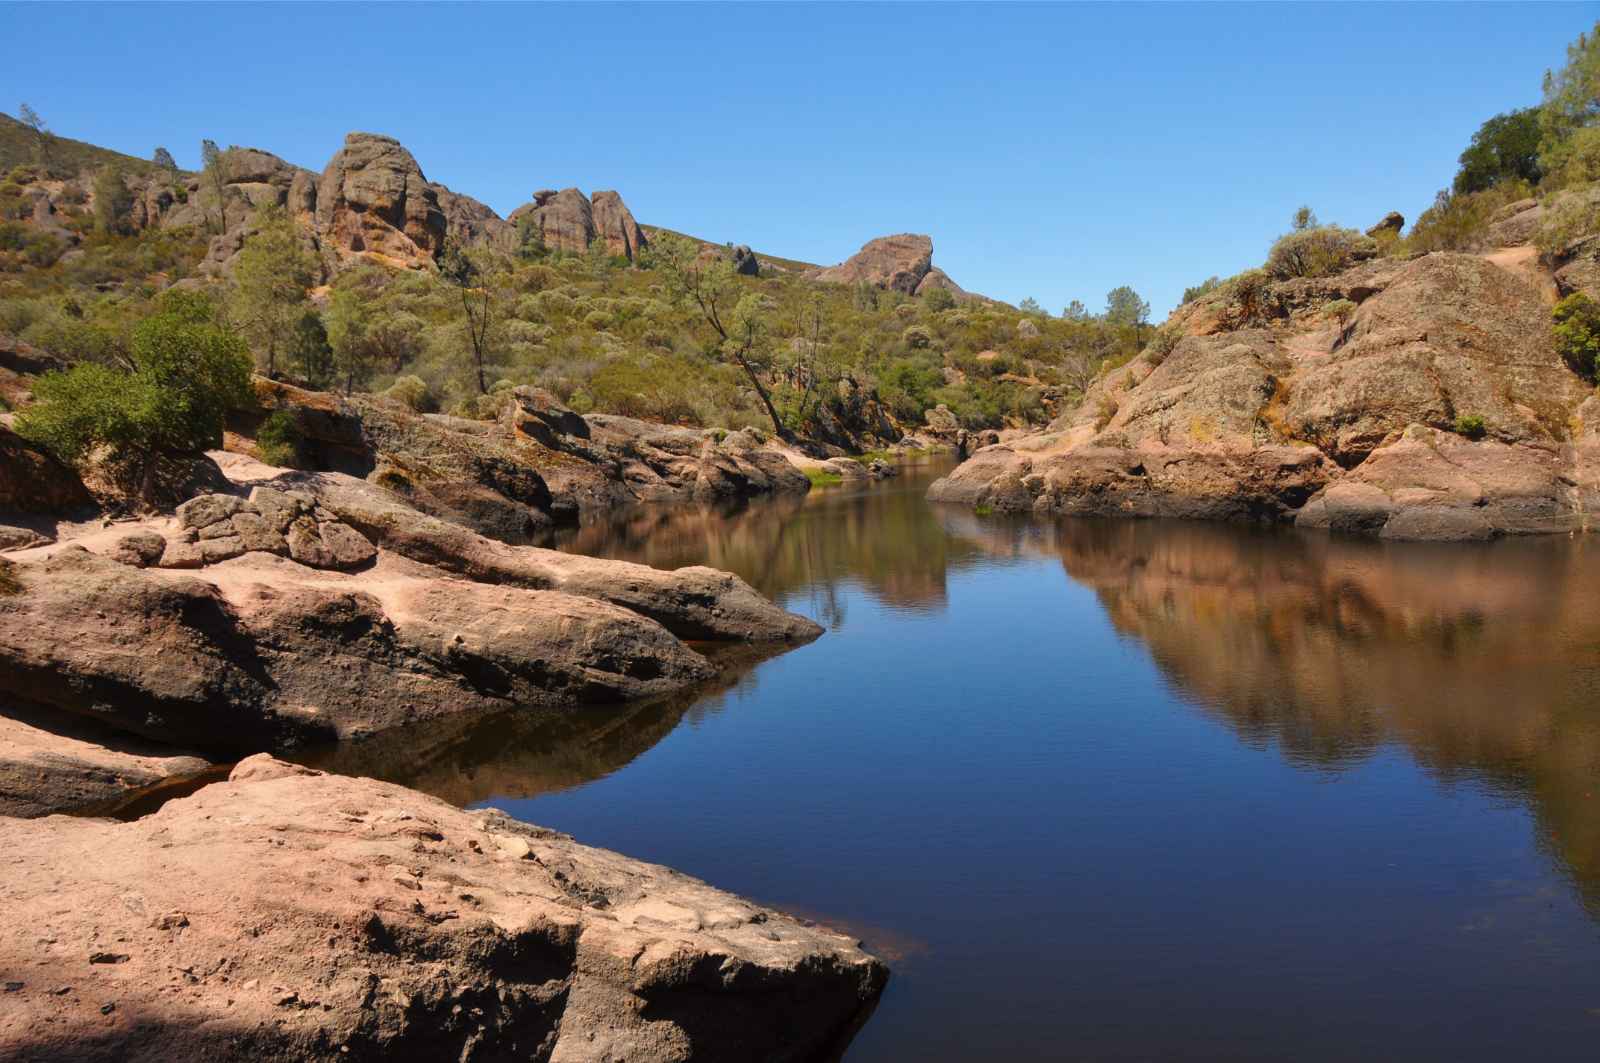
x,y
18,147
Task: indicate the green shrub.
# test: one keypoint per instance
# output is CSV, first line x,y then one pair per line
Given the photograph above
x,y
1318,252
1249,296
939,299
917,338
1205,287
189,371
1460,221
823,478
1577,333
1161,344
413,391
1565,220
278,440
1469,425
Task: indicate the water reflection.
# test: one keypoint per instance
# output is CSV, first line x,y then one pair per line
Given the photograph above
x,y
1481,661
801,549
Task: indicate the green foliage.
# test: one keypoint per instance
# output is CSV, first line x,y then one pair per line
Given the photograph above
x,y
1505,148
1565,219
1205,287
1571,101
939,299
1317,251
1339,311
1469,425
278,440
1577,333
823,478
1162,344
187,370
1303,218
1459,221
112,200
271,276
1124,307
308,350
413,392
1249,296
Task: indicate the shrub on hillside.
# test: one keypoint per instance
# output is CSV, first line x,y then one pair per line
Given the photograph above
x,y
1460,221
1161,344
188,371
1319,251
278,440
1469,425
413,391
1577,333
1566,219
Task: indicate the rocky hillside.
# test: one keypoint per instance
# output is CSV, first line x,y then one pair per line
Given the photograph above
x,y
1414,396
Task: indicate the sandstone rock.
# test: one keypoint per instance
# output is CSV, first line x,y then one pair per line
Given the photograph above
x,y
538,413
693,603
351,917
473,223
203,511
614,224
938,278
154,482
31,481
278,508
179,554
258,531
1391,222
274,653
564,220
373,198
328,544
221,549
898,262
51,763
1436,485
1515,223
140,549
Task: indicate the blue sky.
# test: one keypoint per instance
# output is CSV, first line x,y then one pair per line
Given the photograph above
x,y
1051,151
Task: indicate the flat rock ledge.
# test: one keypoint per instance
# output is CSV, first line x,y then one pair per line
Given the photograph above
x,y
289,914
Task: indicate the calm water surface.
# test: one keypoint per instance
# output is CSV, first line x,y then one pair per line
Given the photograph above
x,y
1123,790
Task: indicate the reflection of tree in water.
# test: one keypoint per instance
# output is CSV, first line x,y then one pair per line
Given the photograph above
x,y
799,549
1482,661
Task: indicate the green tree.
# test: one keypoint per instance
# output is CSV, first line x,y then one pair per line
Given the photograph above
x,y
1505,147
186,370
1303,218
350,337
480,280
1076,311
214,173
1205,287
939,299
271,276
1577,333
163,158
1125,309
308,349
1571,100
1030,305
112,199
41,134
1340,311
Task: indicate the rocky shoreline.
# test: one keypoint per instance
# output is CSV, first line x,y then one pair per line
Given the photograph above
x,y
1441,411
275,910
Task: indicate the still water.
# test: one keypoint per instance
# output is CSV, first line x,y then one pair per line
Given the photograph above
x,y
1122,790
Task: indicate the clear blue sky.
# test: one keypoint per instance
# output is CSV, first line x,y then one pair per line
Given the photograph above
x,y
1052,151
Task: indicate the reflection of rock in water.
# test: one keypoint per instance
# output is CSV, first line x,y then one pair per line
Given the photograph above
x,y
797,548
524,754
1482,661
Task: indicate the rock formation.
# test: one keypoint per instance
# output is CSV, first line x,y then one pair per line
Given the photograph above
x,y
898,262
568,221
373,199
1390,223
290,914
1352,427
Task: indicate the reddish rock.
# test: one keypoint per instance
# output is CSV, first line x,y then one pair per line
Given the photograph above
x,y
373,198
899,262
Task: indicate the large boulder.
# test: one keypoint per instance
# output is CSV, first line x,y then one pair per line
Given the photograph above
x,y
289,914
473,223
614,224
373,199
31,481
261,653
898,262
564,220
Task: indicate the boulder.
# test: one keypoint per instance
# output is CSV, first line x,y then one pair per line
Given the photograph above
x,y
745,262
151,482
1391,223
203,511
289,914
894,262
141,549
52,763
564,219
473,223
267,653
372,198
328,544
614,224
31,481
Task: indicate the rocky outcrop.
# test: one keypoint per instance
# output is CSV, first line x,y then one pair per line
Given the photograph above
x,y
31,481
473,223
373,199
1351,428
1390,224
744,261
290,914
52,763
563,220
614,224
262,653
893,262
